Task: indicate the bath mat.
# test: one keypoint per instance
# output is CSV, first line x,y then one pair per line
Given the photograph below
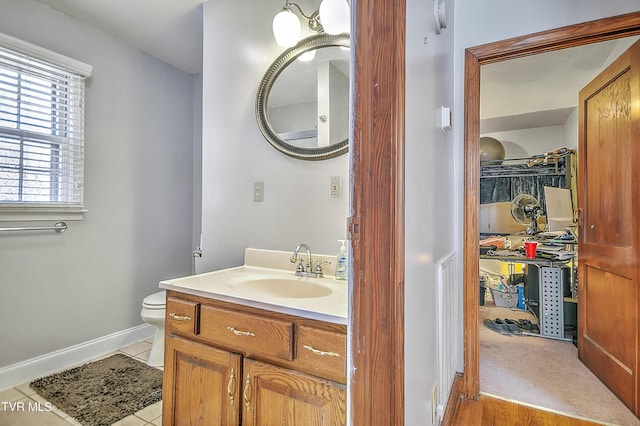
x,y
102,392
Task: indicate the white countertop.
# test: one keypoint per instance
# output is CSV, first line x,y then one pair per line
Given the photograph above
x,y
329,304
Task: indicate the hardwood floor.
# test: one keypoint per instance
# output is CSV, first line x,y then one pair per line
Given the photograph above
x,y
495,412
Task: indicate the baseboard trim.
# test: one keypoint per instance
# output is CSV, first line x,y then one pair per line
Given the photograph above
x,y
453,401
541,408
21,372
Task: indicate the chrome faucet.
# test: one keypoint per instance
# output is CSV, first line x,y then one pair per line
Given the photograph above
x,y
301,270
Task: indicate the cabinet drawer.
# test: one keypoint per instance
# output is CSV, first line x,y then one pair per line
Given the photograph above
x,y
247,333
182,316
323,352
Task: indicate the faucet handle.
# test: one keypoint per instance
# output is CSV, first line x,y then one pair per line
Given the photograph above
x,y
300,266
318,269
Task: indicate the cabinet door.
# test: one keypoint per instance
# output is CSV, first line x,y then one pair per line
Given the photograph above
x,y
201,384
278,396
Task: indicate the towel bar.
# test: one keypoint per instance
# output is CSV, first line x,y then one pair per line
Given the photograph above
x,y
58,227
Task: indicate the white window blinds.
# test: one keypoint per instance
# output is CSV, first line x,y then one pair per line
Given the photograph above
x,y
41,127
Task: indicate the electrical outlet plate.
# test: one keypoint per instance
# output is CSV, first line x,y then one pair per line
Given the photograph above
x,y
335,188
258,191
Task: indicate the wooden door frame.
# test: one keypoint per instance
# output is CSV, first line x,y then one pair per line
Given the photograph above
x,y
376,291
475,57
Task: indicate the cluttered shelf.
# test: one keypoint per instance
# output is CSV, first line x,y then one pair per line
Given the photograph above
x,y
550,247
503,180
522,259
557,162
522,267
539,279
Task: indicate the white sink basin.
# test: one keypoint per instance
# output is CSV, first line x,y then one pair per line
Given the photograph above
x,y
267,281
290,288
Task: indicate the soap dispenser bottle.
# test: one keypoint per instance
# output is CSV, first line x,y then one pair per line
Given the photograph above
x,y
342,264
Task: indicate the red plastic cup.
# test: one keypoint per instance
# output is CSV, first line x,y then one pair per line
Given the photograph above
x,y
530,248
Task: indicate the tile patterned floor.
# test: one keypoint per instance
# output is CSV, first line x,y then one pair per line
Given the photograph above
x,y
150,416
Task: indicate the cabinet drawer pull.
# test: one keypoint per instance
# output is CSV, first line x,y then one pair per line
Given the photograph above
x,y
241,333
175,316
247,393
230,386
319,352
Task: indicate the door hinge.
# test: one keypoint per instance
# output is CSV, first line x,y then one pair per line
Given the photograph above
x,y
577,216
353,228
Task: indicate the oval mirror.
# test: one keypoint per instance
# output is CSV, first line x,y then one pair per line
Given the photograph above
x,y
302,106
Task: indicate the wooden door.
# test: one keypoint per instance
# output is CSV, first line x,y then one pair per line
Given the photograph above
x,y
609,233
201,385
278,396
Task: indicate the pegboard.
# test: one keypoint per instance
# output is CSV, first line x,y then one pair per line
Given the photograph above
x,y
551,302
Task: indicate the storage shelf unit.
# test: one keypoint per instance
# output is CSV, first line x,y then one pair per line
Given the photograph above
x,y
514,176
537,165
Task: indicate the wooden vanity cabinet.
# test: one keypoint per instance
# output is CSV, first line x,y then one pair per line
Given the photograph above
x,y
200,384
278,396
235,365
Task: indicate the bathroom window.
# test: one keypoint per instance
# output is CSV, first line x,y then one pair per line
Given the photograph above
x,y
41,130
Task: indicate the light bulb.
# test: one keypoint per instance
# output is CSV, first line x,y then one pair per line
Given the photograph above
x,y
334,16
286,28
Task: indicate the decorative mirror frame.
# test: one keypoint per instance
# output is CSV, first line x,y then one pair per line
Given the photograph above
x,y
262,97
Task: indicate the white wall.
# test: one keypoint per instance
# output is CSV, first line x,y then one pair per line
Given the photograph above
x,y
336,105
296,205
197,165
294,118
493,20
430,195
59,290
570,129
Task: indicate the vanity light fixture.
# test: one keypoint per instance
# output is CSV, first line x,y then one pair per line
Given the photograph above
x,y
335,16
332,17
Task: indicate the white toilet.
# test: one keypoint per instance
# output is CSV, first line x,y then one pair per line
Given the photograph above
x,y
153,311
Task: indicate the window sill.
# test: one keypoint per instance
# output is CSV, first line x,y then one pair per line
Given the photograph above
x,y
32,214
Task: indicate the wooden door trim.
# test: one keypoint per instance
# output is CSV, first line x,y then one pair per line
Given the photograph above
x,y
376,317
475,57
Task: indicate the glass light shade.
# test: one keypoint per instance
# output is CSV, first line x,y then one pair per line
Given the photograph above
x,y
334,15
286,28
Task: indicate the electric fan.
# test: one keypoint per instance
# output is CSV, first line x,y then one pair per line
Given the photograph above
x,y
526,210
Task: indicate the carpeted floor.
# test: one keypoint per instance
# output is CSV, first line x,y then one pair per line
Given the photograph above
x,y
544,372
104,391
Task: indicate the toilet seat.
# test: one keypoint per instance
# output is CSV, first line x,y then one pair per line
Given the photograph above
x,y
155,300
